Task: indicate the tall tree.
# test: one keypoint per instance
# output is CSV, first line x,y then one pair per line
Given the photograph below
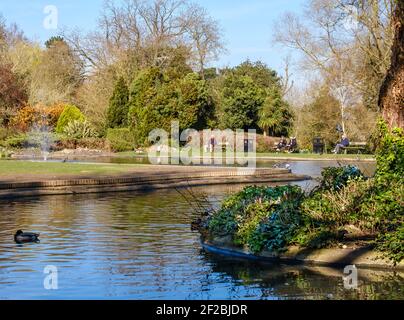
x,y
206,37
259,72
275,115
346,43
117,116
158,97
241,101
57,75
391,98
12,93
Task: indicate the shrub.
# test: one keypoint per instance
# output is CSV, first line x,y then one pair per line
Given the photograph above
x,y
6,133
17,141
390,151
274,218
265,144
86,143
69,114
39,115
25,118
54,112
79,129
337,178
392,244
4,153
92,143
121,139
255,216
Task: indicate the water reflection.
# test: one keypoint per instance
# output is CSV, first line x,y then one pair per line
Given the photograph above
x,y
140,246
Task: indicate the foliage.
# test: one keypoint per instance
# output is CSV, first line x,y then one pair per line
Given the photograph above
x,y
12,92
247,216
56,75
278,231
335,178
241,102
249,97
53,41
117,114
265,144
275,218
318,119
25,117
86,143
4,153
53,112
17,141
121,139
275,115
28,116
259,72
79,129
5,133
392,244
390,151
70,113
158,98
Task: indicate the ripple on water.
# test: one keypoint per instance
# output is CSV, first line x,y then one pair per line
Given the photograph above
x,y
140,246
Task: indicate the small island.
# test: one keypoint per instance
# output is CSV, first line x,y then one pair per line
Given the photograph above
x,y
347,219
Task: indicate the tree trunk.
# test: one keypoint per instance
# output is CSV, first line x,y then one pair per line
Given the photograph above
x,y
391,99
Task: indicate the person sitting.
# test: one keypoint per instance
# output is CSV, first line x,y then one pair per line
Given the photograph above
x,y
343,144
282,144
292,146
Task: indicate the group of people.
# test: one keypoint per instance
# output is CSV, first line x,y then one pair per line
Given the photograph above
x,y
284,145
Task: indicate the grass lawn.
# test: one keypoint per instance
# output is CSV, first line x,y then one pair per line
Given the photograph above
x,y
11,168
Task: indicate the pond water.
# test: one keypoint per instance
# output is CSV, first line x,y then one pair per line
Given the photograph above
x,y
140,246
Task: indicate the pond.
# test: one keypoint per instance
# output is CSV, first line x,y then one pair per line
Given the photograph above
x,y
140,246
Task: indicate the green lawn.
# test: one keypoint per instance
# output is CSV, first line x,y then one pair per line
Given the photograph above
x,y
10,167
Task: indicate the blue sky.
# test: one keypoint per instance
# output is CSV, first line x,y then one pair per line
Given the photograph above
x,y
247,24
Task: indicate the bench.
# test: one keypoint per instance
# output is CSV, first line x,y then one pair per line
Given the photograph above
x,y
357,147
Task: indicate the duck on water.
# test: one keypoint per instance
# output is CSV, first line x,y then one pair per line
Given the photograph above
x,y
25,237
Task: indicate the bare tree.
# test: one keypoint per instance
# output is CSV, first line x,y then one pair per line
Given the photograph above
x,y
206,36
132,35
286,80
139,34
333,46
323,50
56,76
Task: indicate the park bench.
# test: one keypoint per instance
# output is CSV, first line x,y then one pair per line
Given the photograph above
x,y
355,147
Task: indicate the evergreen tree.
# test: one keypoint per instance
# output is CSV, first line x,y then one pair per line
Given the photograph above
x,y
159,97
275,116
117,116
241,100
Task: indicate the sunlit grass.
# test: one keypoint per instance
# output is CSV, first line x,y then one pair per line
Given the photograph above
x,y
11,167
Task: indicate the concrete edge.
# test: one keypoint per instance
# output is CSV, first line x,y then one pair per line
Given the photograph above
x,y
107,185
335,257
